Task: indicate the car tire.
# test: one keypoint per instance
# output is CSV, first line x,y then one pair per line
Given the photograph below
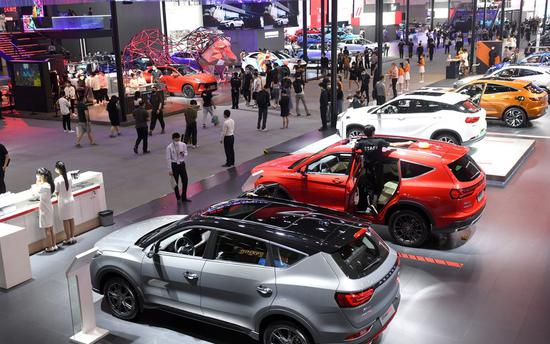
x,y
188,91
294,334
354,130
250,69
514,117
286,70
121,298
408,228
232,26
287,52
447,137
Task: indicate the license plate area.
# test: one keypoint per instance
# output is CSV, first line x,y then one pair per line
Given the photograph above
x,y
387,316
480,195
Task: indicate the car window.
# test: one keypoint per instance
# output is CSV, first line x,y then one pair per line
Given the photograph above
x,y
472,90
403,106
507,73
494,88
465,169
253,56
165,71
240,249
431,106
411,170
283,258
528,72
331,164
533,59
187,242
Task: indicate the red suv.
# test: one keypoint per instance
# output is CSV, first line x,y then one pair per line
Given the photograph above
x,y
429,186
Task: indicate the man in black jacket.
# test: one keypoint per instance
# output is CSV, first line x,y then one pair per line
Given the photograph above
x,y
235,89
263,99
419,50
323,102
157,105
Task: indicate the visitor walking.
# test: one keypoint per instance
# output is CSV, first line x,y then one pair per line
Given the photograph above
x,y
380,89
4,163
298,86
447,45
176,154
401,46
256,88
228,138
235,89
407,70
419,50
394,75
324,64
365,80
70,92
207,108
284,103
191,115
103,87
247,85
140,116
113,109
324,99
157,110
262,98
65,111
410,48
83,125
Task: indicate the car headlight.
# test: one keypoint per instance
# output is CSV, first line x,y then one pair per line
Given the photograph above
x,y
197,80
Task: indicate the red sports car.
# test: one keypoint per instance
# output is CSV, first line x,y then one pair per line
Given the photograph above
x,y
429,186
184,79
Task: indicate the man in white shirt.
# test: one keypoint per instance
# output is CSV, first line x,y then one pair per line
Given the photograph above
x,y
70,92
228,139
176,152
65,111
96,87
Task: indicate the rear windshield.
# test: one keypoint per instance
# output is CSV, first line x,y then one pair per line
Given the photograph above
x,y
465,169
361,256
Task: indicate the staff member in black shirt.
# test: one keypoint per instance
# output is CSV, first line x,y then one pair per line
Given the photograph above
x,y
157,104
4,162
140,117
372,182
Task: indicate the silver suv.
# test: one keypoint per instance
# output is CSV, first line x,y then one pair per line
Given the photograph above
x,y
279,271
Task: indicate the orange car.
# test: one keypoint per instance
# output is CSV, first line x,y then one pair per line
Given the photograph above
x,y
514,101
184,79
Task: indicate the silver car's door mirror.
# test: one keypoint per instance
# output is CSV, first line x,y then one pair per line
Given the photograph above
x,y
153,250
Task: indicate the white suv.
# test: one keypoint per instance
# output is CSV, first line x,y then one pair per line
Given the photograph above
x,y
428,114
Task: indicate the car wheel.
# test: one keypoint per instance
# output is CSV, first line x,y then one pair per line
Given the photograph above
x,y
514,117
408,228
354,131
447,137
286,70
188,91
287,52
232,26
285,332
121,298
250,69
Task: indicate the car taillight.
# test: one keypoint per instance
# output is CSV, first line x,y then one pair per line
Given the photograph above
x,y
349,300
359,233
472,119
471,107
461,193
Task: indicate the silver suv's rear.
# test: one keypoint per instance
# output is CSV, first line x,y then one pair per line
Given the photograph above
x,y
346,296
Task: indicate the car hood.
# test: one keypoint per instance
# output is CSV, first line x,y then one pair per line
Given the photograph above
x,y
204,77
123,238
280,163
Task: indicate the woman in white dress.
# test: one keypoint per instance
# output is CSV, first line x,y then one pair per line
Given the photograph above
x,y
65,201
45,187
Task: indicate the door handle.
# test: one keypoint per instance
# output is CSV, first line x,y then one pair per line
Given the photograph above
x,y
264,291
337,181
191,276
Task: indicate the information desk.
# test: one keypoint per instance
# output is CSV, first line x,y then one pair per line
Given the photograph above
x,y
21,209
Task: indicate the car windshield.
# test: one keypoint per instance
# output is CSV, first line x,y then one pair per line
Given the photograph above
x,y
186,70
361,255
146,239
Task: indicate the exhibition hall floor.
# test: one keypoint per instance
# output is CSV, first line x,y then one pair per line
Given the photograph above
x,y
493,289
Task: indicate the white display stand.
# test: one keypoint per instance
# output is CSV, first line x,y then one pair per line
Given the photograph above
x,y
21,209
15,265
82,304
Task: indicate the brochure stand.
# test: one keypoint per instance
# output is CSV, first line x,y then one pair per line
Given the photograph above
x,y
82,304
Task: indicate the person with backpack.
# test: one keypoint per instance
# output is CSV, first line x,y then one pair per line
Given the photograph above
x,y
298,86
263,100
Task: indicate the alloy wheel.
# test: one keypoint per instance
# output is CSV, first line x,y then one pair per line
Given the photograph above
x,y
514,118
188,91
448,139
355,132
287,335
408,229
121,299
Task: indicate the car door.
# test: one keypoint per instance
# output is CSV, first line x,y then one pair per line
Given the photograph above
x,y
417,119
172,276
392,117
496,98
239,281
323,181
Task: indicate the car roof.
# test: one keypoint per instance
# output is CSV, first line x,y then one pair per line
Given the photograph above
x,y
434,94
436,153
299,226
525,66
503,81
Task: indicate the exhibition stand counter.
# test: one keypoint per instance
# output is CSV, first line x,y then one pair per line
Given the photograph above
x,y
21,209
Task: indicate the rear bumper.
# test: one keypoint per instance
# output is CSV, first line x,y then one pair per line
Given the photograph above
x,y
460,225
475,139
537,112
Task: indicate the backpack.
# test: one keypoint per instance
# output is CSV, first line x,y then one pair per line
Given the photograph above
x,y
297,86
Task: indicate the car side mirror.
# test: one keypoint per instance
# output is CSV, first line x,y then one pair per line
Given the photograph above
x,y
153,250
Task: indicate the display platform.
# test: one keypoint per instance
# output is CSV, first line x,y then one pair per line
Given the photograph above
x,y
500,157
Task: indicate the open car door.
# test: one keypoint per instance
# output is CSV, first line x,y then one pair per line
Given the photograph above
x,y
352,183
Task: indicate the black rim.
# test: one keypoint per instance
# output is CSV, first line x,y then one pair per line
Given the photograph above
x,y
121,299
188,91
286,335
408,229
